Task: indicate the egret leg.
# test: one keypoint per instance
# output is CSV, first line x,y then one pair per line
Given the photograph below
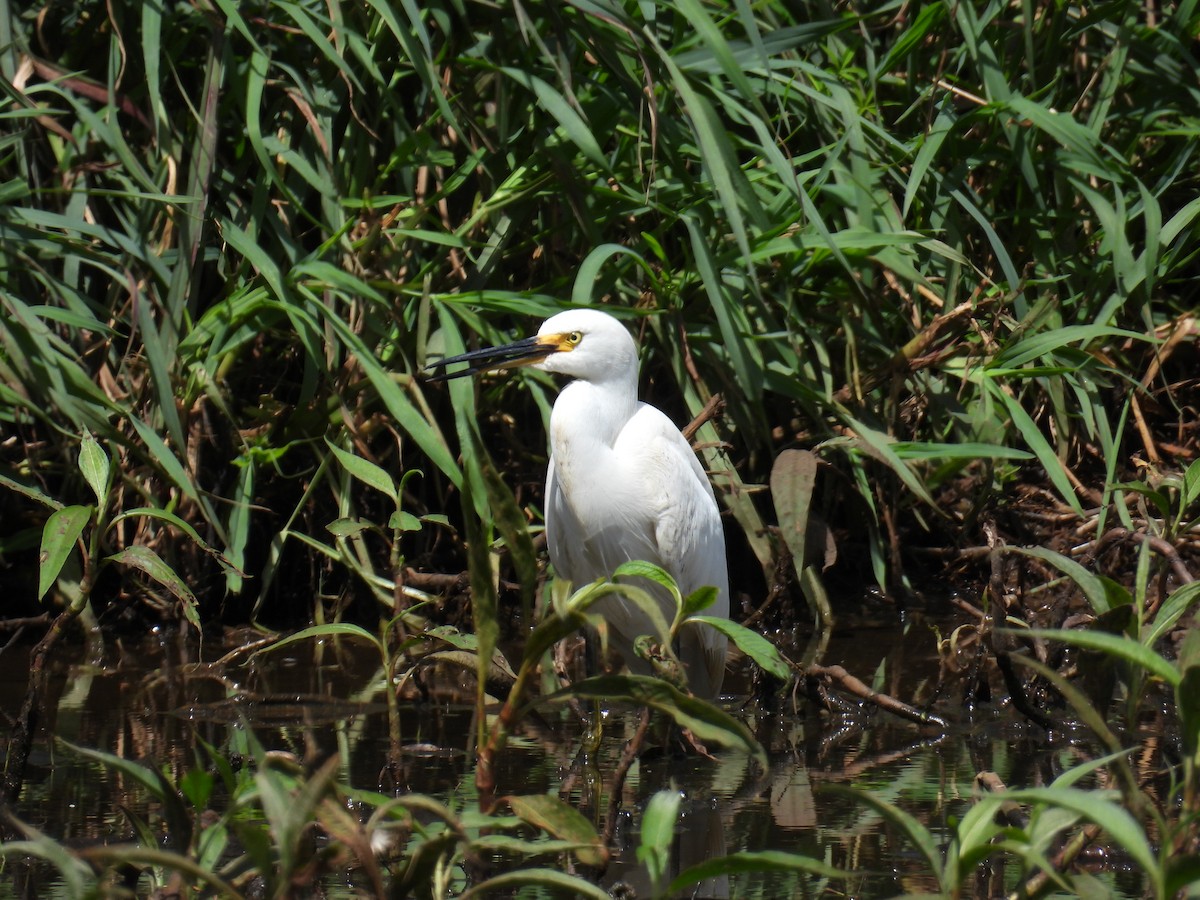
x,y
595,727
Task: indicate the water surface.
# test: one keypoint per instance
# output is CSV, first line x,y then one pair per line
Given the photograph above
x,y
155,699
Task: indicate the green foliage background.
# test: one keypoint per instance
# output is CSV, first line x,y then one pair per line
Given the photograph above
x,y
940,243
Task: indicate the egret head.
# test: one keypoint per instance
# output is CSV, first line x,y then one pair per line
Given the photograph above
x,y
588,344
581,343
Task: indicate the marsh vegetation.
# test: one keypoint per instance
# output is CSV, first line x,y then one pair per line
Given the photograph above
x,y
924,275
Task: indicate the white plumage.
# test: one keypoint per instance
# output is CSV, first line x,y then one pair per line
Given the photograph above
x,y
623,484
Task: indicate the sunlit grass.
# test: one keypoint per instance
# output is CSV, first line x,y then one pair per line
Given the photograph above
x,y
948,251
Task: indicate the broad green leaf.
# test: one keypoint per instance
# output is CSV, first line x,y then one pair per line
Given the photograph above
x,y
974,836
404,521
452,636
1191,486
549,879
59,535
1106,811
152,57
1078,773
1162,503
151,563
499,669
515,846
365,471
581,602
758,648
347,528
137,772
93,463
555,817
197,786
1093,586
648,570
1120,646
699,600
242,500
1172,610
432,237
709,724
1187,695
658,834
171,519
793,480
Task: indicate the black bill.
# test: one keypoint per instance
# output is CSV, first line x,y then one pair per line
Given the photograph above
x,y
518,353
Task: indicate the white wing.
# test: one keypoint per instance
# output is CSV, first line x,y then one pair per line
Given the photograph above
x,y
648,499
689,536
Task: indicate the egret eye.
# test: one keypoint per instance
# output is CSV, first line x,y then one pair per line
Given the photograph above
x,y
574,338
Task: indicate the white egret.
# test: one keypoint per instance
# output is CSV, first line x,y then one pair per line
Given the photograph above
x,y
623,484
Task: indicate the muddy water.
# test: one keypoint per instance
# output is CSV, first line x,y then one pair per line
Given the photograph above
x,y
153,699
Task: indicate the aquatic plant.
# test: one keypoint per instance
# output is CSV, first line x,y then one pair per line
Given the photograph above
x,y
214,294
947,254
1124,652
281,829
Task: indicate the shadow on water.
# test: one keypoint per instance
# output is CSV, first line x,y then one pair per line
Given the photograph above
x,y
156,699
